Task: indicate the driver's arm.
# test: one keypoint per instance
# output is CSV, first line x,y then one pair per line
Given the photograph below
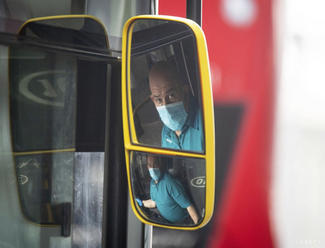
x,y
192,212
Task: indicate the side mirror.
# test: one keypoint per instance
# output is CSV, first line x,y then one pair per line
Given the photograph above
x,y
168,121
44,93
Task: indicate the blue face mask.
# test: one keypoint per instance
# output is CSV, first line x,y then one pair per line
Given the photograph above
x,y
154,173
173,115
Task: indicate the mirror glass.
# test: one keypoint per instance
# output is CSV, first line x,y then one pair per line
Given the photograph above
x,y
165,86
43,97
57,120
168,190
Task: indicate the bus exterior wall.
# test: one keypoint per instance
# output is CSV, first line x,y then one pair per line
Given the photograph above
x,y
239,36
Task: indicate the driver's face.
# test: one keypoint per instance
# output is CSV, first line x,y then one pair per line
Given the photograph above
x,y
164,92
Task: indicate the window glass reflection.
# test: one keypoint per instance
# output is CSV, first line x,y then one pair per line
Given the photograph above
x,y
42,112
167,189
166,96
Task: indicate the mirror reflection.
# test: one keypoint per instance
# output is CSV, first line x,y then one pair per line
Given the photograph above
x,y
43,102
165,86
168,190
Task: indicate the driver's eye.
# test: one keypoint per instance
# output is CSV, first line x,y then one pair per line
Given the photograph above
x,y
158,101
172,96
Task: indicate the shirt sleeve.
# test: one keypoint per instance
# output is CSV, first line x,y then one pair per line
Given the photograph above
x,y
178,193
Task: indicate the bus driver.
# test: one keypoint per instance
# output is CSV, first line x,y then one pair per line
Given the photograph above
x,y
177,109
168,195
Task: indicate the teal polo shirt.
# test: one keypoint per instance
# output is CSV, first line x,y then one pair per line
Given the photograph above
x,y
191,138
170,197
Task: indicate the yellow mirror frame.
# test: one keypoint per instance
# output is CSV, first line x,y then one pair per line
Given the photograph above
x,y
208,117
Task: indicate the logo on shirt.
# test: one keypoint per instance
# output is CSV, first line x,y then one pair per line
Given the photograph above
x,y
198,182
